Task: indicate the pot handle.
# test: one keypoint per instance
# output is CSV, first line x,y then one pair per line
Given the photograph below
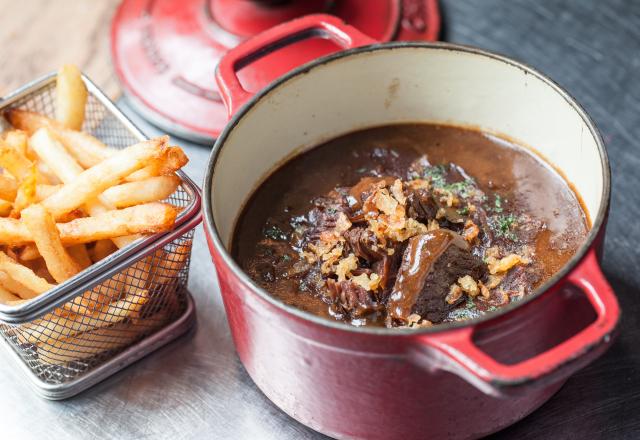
x,y
315,25
459,354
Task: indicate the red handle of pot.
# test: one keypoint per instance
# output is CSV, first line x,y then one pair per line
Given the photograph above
x,y
494,377
316,25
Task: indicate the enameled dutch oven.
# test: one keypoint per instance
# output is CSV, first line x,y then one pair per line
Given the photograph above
x,y
459,380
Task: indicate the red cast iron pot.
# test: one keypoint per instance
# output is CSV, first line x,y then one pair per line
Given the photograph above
x,y
460,380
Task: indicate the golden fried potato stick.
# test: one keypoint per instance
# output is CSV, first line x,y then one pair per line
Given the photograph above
x,y
43,191
30,121
67,169
15,287
172,159
17,139
7,297
5,207
94,342
71,97
24,276
102,249
152,189
26,193
93,181
169,265
89,151
80,255
86,149
8,188
141,219
54,155
14,162
47,331
46,236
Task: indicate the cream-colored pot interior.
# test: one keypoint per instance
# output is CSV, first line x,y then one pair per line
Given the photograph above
x,y
400,83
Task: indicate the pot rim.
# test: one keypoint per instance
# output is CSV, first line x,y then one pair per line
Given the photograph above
x,y
212,232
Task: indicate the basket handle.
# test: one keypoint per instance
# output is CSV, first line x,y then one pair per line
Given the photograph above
x,y
270,41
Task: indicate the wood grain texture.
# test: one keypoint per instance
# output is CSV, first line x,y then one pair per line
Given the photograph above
x,y
38,36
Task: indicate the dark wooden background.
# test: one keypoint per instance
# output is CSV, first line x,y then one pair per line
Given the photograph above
x,y
592,48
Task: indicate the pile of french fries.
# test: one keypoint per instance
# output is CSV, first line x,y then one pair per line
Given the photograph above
x,y
68,201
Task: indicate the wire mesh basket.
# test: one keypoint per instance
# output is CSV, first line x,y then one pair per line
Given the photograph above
x,y
120,308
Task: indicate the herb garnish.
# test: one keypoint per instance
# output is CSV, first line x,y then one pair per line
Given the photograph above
x,y
503,224
497,204
436,175
470,305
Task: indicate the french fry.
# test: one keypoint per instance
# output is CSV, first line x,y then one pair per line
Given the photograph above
x,y
46,236
43,191
89,151
30,121
5,208
86,149
8,188
7,297
15,162
24,276
45,175
141,219
167,267
144,219
47,331
72,201
80,255
91,343
71,97
15,287
102,249
93,181
143,191
26,194
171,160
54,155
17,139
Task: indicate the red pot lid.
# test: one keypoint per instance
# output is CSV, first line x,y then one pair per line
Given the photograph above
x,y
166,51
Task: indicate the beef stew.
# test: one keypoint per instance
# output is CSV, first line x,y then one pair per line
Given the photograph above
x,y
409,225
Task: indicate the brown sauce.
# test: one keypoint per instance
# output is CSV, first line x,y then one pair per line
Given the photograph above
x,y
520,203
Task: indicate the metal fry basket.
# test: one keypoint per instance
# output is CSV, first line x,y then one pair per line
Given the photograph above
x,y
119,309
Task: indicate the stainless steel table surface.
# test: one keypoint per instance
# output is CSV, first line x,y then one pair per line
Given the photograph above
x,y
196,387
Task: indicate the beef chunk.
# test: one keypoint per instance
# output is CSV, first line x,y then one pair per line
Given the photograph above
x,y
430,264
364,244
350,298
421,206
322,217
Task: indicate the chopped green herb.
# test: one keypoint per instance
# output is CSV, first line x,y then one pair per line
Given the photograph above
x,y
470,305
361,170
286,257
274,233
497,204
459,187
463,211
492,309
331,211
503,224
435,174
